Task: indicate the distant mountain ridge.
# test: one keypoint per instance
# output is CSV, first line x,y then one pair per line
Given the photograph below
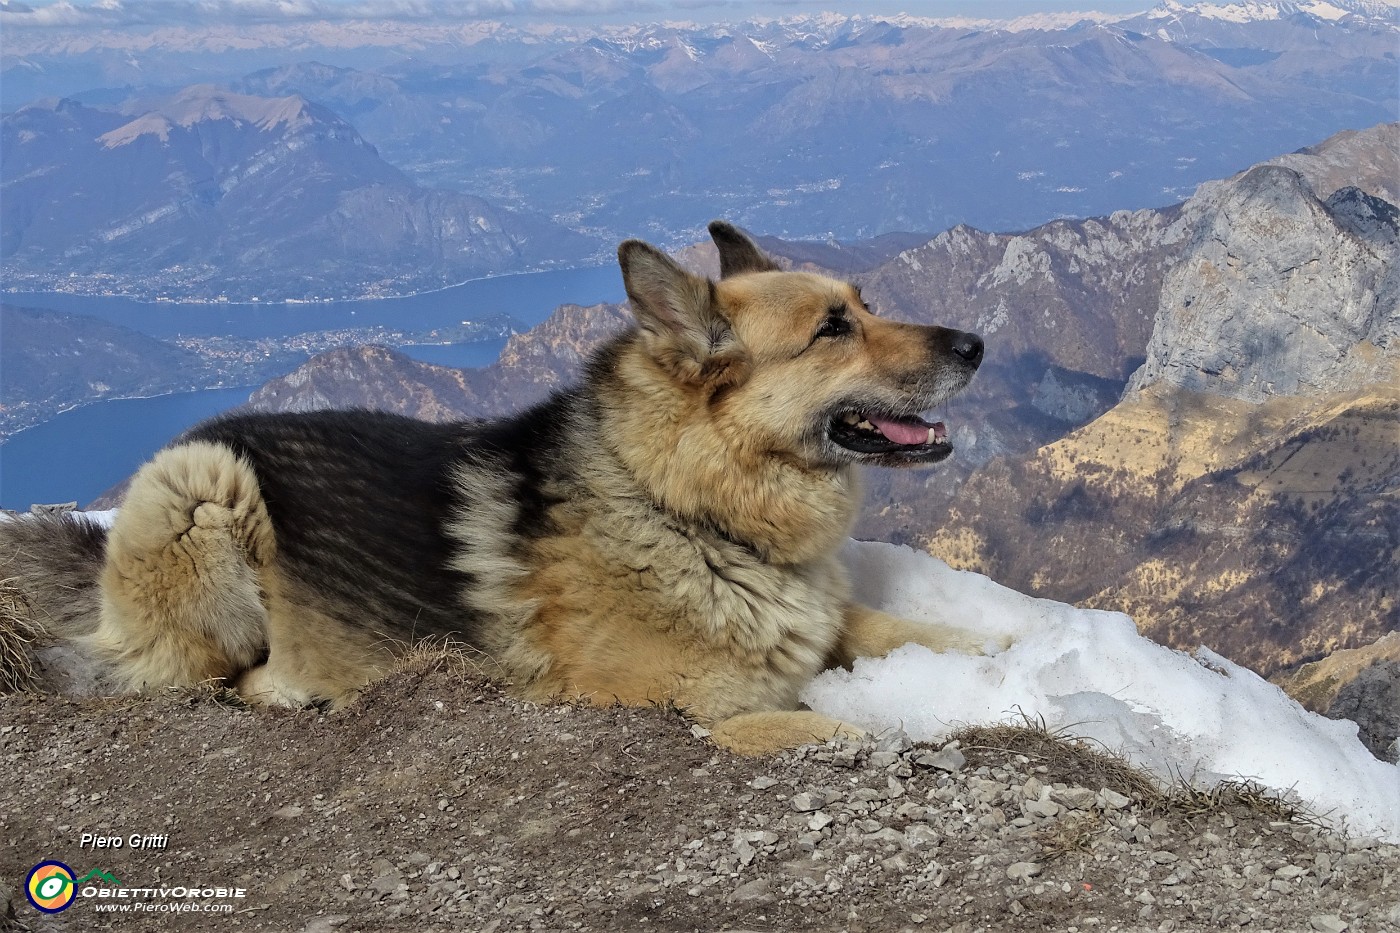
x,y
354,27
209,193
531,365
1245,11
203,103
809,127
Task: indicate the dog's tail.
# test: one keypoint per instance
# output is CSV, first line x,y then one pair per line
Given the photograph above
x,y
49,571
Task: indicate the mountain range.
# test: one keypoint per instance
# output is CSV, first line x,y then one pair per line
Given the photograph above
x,y
1188,414
212,194
1243,492
424,154
49,361
863,126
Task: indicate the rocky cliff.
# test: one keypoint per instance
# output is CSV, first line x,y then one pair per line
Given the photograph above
x,y
1245,492
531,366
1360,684
1278,293
1066,310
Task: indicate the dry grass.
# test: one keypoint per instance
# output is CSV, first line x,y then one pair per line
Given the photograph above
x,y
1066,758
1236,796
1073,833
1082,763
447,655
214,691
18,636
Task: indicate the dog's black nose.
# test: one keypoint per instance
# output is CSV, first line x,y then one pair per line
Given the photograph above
x,y
969,347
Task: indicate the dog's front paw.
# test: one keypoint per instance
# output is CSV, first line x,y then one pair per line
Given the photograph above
x,y
763,733
997,644
963,641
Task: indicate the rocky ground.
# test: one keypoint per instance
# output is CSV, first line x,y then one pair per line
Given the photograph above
x,y
438,803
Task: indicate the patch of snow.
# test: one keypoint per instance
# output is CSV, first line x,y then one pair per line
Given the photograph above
x,y
1251,11
1246,12
767,48
1048,21
1325,11
201,103
1090,673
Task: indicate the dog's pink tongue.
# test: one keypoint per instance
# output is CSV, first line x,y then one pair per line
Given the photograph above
x,y
902,432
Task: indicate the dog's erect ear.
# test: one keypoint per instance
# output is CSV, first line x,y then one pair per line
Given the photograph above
x,y
681,324
737,253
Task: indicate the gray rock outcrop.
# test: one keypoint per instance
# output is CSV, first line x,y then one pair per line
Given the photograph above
x,y
1278,293
1372,701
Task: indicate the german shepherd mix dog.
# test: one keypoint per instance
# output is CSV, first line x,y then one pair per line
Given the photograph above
x,y
665,532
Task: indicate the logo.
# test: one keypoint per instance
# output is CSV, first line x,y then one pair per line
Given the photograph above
x,y
50,887
102,875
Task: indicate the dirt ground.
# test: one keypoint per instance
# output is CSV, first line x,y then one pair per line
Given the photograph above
x,y
438,803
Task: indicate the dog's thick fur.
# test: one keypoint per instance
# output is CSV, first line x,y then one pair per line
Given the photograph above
x,y
665,532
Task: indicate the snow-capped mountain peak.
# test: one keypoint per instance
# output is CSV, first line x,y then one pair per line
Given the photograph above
x,y
1250,11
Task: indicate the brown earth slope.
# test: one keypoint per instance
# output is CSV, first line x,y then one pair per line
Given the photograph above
x,y
436,804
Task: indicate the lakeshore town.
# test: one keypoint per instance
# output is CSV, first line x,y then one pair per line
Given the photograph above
x,y
222,361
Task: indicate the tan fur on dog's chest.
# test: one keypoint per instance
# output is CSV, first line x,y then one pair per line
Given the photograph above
x,y
637,612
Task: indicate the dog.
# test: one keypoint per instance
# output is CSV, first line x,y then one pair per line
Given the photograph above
x,y
667,531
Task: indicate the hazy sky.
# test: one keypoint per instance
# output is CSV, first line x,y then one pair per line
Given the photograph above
x,y
154,12
991,9
739,9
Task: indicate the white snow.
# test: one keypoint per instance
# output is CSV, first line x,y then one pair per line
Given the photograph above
x,y
103,518
1252,11
1089,672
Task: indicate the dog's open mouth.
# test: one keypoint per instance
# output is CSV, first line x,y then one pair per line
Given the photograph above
x,y
906,438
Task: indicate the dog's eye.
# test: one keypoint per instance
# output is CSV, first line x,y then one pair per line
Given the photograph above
x,y
834,326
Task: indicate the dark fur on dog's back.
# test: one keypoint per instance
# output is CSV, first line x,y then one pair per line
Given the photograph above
x,y
356,488
349,489
667,531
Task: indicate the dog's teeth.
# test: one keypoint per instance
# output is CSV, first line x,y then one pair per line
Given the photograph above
x,y
865,426
850,417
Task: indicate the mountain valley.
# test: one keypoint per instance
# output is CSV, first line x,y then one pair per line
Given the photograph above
x,y
221,196
342,169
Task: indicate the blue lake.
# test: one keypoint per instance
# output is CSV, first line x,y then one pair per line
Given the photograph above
x,y
529,298
82,453
459,355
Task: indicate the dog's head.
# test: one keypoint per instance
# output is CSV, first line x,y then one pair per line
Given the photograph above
x,y
795,365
